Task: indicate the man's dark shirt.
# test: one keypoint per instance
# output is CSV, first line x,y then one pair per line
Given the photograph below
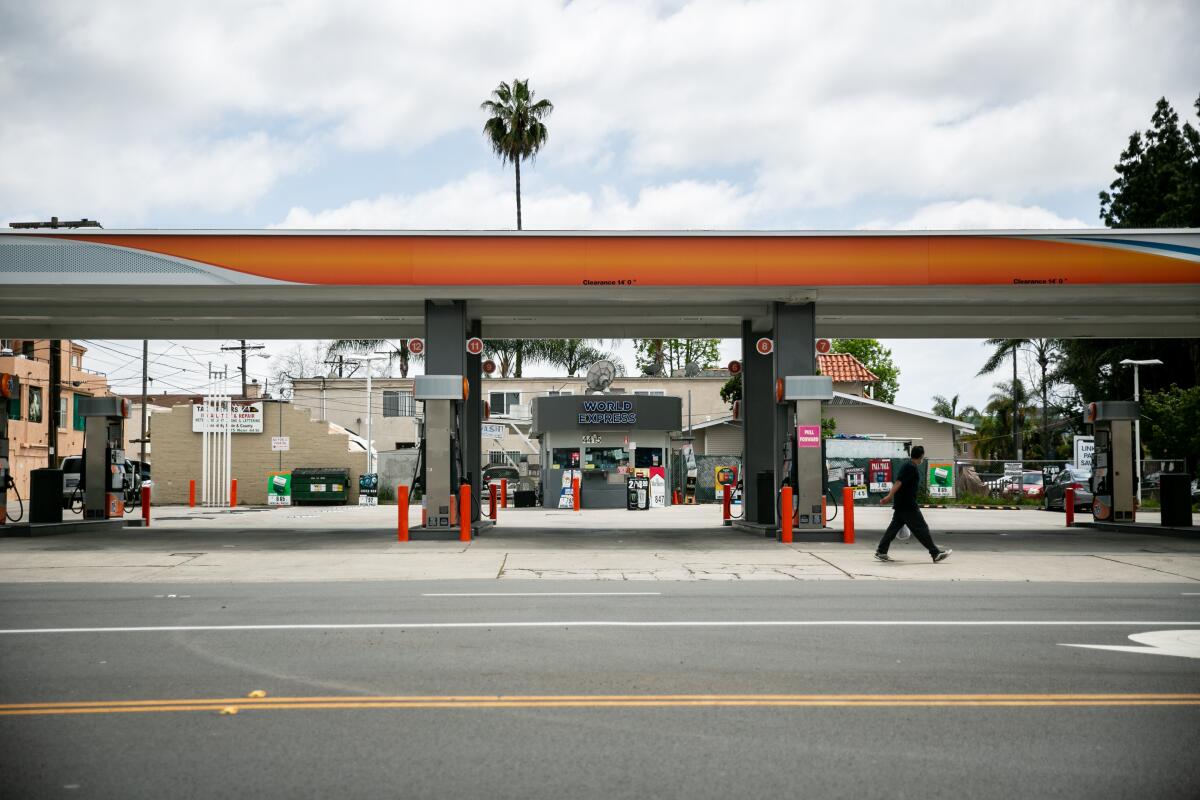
x,y
909,479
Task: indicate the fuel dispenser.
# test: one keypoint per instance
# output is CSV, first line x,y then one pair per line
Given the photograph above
x,y
804,453
1114,468
440,472
10,388
102,478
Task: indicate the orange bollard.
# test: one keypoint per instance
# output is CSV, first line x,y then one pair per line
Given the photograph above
x,y
492,500
726,516
575,493
145,506
1069,506
464,512
503,493
233,492
785,523
402,513
191,494
847,515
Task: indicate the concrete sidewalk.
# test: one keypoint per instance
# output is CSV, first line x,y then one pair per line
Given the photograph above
x,y
686,543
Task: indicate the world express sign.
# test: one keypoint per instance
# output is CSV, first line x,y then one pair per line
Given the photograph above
x,y
608,412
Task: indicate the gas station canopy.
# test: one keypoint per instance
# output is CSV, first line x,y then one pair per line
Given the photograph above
x,y
373,284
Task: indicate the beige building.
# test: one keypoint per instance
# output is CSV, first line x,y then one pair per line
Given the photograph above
x,y
312,443
30,417
343,401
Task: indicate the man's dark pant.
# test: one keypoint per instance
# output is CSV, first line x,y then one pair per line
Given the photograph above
x,y
915,522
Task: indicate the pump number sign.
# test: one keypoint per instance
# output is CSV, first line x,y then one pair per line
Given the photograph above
x,y
474,345
416,346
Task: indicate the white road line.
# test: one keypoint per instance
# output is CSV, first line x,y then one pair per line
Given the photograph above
x,y
799,623
540,594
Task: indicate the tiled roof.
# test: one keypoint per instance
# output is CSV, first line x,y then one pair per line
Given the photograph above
x,y
845,368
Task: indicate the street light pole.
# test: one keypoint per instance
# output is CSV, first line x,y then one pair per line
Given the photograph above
x,y
370,451
1137,423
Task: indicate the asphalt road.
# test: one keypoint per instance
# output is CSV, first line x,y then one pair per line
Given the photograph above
x,y
573,689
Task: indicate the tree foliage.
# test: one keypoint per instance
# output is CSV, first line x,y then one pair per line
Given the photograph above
x,y
1171,424
664,356
515,128
1158,176
877,358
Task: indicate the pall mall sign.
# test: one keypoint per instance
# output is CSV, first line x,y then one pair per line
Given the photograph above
x,y
247,418
608,412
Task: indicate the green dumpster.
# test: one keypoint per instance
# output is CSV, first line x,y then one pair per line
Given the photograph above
x,y
320,485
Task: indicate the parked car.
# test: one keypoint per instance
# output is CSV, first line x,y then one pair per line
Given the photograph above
x,y
1079,480
1030,486
134,479
494,474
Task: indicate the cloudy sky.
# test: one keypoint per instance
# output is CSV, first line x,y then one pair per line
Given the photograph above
x,y
703,115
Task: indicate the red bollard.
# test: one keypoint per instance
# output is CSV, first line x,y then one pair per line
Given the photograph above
x,y
191,494
575,493
726,516
1069,506
145,506
503,493
233,493
492,500
402,513
847,515
464,512
785,513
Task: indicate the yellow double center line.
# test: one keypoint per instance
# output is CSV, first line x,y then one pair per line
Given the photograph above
x,y
238,704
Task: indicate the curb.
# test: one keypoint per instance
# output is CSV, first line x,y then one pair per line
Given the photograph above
x,y
985,508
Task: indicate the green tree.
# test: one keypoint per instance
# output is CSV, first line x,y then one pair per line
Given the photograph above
x,y
664,356
1158,176
877,358
950,410
1172,424
511,355
515,129
573,355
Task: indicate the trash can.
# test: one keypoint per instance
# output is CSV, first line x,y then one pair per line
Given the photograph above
x,y
320,485
45,495
1175,498
524,498
764,485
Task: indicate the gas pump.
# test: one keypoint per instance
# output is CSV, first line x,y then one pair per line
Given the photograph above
x,y
441,472
102,477
1114,469
10,388
804,454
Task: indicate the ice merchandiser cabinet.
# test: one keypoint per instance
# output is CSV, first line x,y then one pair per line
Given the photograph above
x,y
602,440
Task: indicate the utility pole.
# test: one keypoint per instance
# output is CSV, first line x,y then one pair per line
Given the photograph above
x,y
145,380
1016,412
243,348
340,363
1137,423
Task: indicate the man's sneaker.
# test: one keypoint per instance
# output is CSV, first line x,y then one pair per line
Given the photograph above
x,y
942,555
882,557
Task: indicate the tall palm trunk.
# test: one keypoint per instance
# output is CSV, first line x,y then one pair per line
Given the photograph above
x,y
517,163
1042,362
1016,434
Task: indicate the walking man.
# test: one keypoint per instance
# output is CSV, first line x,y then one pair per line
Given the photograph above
x,y
905,511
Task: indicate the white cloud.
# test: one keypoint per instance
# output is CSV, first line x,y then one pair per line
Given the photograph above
x,y
977,214
487,201
126,108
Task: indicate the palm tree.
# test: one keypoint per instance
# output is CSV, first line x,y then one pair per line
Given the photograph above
x,y
396,352
574,354
1003,348
515,128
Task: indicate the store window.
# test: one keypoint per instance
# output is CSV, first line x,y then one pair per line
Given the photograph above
x,y
503,402
14,405
35,404
646,457
609,459
398,404
505,456
565,457
60,417
651,392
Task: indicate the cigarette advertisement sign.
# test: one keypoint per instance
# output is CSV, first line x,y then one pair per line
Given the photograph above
x,y
856,479
279,488
881,475
941,479
247,418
